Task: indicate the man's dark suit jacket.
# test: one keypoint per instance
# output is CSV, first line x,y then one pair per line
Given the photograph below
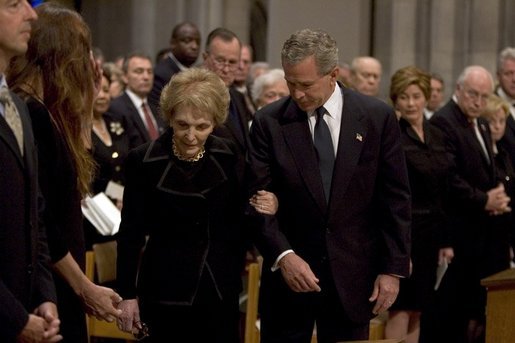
x,y
236,131
364,230
123,106
473,174
163,72
25,278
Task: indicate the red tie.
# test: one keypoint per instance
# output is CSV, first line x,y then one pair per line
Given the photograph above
x,y
151,128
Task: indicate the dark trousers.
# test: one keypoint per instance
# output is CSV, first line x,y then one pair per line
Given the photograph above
x,y
291,317
209,319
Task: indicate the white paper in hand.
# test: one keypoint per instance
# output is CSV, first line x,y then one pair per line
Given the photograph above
x,y
103,214
440,272
114,190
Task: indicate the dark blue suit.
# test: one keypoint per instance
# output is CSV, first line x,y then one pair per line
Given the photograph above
x,y
364,229
25,278
163,72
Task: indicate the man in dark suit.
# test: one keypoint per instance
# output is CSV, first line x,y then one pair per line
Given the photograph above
x,y
222,56
185,49
476,197
335,250
27,294
143,120
506,90
241,79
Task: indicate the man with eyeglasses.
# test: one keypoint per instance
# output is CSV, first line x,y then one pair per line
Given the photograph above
x,y
222,56
476,198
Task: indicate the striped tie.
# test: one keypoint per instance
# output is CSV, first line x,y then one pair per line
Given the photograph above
x,y
12,117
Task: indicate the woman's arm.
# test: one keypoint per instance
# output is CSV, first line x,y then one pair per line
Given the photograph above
x,y
97,300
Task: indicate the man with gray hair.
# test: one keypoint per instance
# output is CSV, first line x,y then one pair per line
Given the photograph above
x,y
476,197
506,90
335,250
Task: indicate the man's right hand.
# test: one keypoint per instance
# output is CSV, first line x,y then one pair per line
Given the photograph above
x,y
297,274
35,332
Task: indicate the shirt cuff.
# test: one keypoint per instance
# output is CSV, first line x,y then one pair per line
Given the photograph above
x,y
276,264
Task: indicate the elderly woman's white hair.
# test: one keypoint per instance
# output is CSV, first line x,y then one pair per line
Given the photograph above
x,y
263,81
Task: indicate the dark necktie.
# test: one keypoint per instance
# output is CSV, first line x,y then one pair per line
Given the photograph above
x,y
480,140
325,151
12,117
151,128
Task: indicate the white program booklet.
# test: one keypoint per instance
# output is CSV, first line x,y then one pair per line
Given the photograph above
x,y
440,272
102,213
114,190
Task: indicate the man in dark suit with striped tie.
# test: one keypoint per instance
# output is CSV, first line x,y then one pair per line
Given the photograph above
x,y
27,294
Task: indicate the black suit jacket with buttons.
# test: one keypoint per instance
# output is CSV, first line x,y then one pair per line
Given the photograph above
x,y
193,223
25,278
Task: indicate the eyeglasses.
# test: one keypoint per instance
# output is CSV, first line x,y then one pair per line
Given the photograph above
x,y
142,333
221,63
474,95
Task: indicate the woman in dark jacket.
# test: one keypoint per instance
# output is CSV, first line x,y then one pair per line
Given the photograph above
x,y
183,193
428,171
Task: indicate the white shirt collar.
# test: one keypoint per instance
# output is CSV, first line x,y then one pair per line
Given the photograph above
x,y
509,99
333,105
136,100
181,66
505,96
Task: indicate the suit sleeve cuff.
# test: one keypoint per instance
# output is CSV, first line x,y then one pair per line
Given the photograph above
x,y
284,253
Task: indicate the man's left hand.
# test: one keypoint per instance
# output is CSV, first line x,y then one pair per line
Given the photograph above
x,y
386,288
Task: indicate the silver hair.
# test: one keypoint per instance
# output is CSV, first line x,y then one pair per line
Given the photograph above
x,y
265,80
466,72
308,42
507,53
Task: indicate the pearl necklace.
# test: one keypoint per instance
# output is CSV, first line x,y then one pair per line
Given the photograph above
x,y
195,158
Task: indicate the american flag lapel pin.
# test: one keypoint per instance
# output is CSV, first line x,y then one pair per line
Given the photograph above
x,y
359,137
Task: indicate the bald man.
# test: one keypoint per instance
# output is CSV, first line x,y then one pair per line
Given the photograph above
x,y
366,75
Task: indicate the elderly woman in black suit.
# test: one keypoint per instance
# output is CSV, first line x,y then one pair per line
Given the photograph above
x,y
184,192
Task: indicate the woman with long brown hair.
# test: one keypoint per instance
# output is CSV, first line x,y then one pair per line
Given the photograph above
x,y
58,80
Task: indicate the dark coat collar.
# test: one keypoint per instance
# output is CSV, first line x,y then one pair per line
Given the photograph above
x,y
212,173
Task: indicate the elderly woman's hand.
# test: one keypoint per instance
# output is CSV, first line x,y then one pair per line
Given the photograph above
x,y
129,320
265,202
